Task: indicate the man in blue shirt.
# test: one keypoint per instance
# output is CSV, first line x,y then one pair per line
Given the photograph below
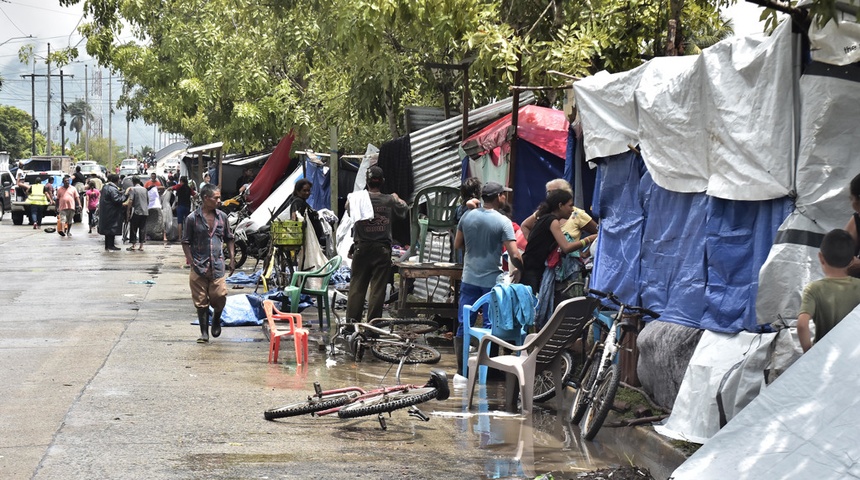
x,y
483,232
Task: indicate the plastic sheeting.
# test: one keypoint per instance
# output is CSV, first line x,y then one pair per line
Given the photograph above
x,y
827,162
713,284
804,425
272,170
717,122
695,414
540,126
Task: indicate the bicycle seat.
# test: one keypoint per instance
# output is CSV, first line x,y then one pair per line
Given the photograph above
x,y
439,379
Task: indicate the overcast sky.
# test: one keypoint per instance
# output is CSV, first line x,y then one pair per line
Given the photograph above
x,y
48,22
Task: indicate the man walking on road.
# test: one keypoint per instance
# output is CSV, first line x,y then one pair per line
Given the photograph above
x,y
483,232
68,201
111,212
203,236
139,203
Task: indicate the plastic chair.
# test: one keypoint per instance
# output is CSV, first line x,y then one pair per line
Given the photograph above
x,y
300,335
441,219
515,335
299,285
542,350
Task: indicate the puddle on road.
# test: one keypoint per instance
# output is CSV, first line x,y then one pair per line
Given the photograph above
x,y
509,445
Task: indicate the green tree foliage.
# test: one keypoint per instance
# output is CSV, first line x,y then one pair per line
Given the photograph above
x,y
246,73
16,133
81,112
100,152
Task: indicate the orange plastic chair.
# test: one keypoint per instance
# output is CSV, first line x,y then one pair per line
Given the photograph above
x,y
300,335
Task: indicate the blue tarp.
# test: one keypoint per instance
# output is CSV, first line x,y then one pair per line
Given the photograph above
x,y
321,190
684,255
535,167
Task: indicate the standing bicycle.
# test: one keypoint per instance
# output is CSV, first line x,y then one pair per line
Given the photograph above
x,y
597,384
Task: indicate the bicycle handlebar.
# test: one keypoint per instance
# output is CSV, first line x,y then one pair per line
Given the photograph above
x,y
614,299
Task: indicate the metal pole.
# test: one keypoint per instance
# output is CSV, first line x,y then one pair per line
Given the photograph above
x,y
465,102
33,108
87,119
48,149
334,168
110,119
62,115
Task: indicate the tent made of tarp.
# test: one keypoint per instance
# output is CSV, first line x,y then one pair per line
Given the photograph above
x,y
542,142
804,425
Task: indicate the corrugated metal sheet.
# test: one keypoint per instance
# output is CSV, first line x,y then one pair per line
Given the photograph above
x,y
422,117
435,160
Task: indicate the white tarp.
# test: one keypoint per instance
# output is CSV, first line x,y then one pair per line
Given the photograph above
x,y
827,161
720,122
805,425
695,415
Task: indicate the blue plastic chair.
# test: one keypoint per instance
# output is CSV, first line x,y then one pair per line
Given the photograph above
x,y
515,336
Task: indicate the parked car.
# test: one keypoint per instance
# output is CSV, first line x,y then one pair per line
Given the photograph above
x,y
20,208
126,171
171,165
91,169
7,190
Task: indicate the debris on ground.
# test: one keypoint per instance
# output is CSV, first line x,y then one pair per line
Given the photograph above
x,y
616,473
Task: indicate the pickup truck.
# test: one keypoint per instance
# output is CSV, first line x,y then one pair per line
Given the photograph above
x,y
20,209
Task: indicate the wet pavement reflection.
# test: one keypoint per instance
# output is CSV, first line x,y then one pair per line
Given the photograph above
x,y
508,445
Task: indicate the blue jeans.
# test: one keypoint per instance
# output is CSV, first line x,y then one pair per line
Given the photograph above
x,y
469,294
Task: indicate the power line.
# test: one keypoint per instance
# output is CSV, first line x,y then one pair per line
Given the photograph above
x,y
12,22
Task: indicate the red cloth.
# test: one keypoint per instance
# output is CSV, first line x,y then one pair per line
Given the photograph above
x,y
273,169
543,127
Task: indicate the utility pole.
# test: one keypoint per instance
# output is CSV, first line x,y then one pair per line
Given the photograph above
x,y
87,119
48,150
110,118
127,137
63,114
34,125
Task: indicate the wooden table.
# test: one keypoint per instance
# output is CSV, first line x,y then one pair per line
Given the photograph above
x,y
412,270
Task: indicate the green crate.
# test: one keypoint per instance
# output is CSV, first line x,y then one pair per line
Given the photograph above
x,y
288,233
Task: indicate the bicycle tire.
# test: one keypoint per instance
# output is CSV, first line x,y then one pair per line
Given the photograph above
x,y
407,326
240,250
581,399
310,406
393,352
387,402
544,387
604,395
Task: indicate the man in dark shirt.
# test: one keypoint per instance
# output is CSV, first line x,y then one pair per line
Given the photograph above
x,y
183,194
371,260
206,230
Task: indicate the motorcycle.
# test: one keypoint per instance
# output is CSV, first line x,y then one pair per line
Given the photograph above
x,y
250,238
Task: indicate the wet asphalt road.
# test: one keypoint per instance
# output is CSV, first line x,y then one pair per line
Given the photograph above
x,y
102,378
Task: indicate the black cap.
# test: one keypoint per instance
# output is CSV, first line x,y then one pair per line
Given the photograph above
x,y
375,172
491,189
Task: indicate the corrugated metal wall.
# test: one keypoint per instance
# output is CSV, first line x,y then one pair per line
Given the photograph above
x,y
435,162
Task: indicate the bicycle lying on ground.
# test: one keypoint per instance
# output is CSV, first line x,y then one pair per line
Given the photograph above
x,y
389,339
598,382
354,402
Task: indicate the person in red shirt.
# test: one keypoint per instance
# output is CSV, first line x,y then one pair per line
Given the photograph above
x,y
153,180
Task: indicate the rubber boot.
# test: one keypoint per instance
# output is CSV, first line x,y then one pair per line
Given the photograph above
x,y
216,324
203,318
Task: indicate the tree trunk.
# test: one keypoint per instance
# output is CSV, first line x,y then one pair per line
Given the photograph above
x,y
391,114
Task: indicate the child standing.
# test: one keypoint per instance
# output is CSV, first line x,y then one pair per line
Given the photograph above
x,y
828,300
92,203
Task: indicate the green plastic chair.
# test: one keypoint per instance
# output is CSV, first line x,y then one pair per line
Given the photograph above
x,y
299,285
441,217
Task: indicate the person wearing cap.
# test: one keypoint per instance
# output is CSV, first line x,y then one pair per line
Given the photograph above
x,y
483,232
371,258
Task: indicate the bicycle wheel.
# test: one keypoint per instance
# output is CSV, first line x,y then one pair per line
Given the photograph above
x,y
581,399
310,406
604,395
393,352
240,249
544,388
387,402
406,326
